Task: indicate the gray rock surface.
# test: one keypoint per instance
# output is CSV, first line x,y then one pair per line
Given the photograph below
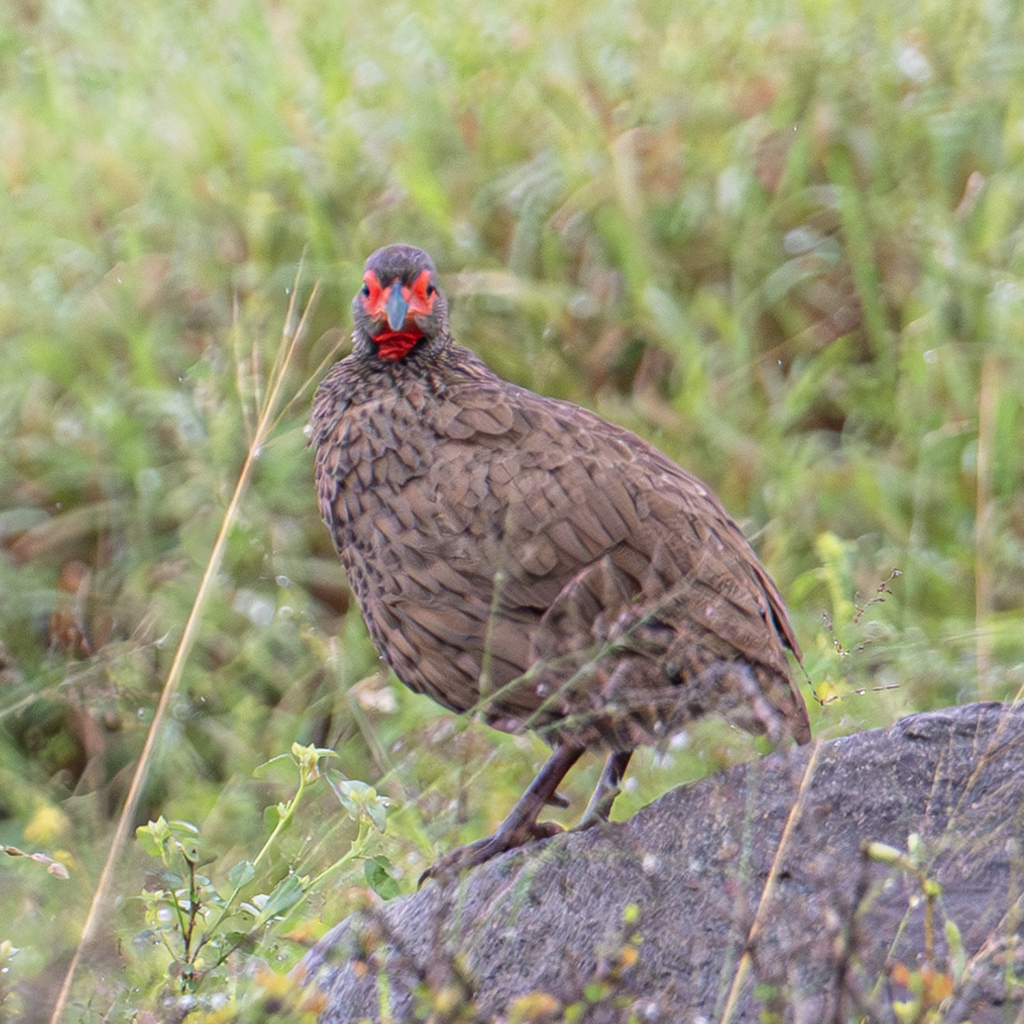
x,y
666,917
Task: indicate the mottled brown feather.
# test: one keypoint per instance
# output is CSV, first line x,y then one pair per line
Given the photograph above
x,y
522,557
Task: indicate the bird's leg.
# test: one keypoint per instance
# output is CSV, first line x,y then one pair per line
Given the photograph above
x,y
521,825
608,788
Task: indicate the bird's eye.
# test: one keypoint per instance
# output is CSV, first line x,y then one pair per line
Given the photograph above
x,y
422,292
371,291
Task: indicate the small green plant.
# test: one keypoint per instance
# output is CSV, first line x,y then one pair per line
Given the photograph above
x,y
928,984
201,922
846,635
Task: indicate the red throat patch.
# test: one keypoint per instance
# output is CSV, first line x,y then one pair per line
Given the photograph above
x,y
393,345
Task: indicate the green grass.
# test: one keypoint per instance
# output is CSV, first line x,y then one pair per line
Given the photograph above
x,y
782,240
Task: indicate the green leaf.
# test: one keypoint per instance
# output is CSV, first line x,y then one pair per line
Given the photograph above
x,y
182,828
957,956
378,814
358,799
377,871
260,768
353,793
190,849
242,873
149,840
244,941
286,894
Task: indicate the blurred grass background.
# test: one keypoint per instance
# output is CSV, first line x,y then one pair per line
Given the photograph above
x,y
780,239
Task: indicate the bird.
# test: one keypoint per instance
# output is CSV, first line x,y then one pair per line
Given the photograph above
x,y
521,558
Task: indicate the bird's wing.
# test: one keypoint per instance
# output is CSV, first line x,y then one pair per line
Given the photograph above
x,y
589,530
557,489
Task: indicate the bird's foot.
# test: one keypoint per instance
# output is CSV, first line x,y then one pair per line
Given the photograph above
x,y
482,850
596,813
521,825
599,808
608,788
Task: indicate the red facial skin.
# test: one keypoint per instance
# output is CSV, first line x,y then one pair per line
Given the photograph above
x,y
393,344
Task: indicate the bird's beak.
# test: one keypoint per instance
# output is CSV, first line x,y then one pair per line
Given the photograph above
x,y
396,306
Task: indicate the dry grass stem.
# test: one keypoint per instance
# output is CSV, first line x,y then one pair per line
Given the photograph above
x,y
988,403
768,895
289,339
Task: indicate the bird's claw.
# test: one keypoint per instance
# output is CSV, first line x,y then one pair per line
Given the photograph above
x,y
465,857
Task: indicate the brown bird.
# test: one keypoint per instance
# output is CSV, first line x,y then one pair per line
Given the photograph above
x,y
524,559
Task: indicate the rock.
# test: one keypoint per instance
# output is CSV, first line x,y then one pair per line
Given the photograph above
x,y
691,911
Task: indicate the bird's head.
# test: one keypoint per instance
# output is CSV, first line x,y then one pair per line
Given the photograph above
x,y
399,305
